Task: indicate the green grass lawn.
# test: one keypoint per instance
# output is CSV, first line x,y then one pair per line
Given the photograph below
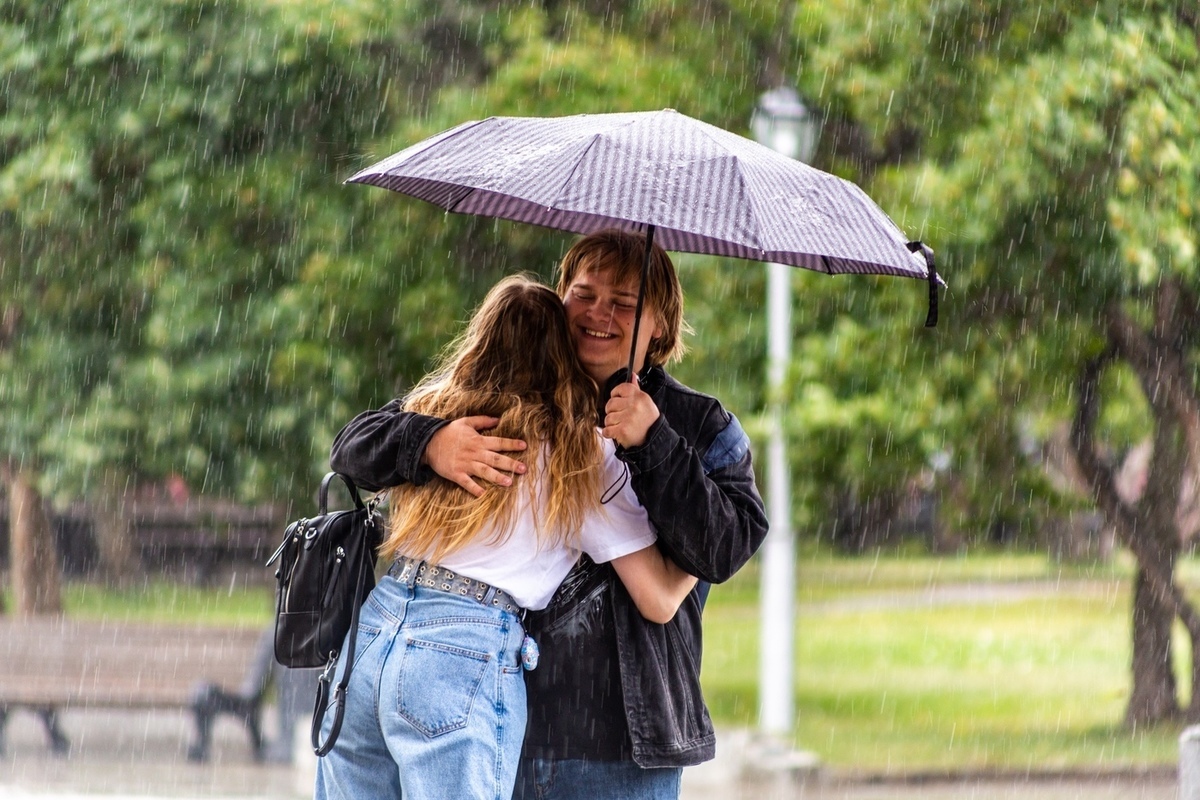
x,y
161,600
1032,675
899,667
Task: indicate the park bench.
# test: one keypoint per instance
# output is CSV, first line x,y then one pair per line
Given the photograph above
x,y
201,537
53,664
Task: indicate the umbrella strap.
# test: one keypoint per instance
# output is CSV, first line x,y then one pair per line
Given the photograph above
x,y
931,273
637,320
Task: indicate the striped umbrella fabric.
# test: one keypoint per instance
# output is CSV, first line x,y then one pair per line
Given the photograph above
x,y
702,188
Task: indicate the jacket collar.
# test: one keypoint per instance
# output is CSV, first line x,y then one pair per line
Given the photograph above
x,y
652,379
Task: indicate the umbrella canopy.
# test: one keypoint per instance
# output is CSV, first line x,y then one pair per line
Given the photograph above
x,y
691,186
704,189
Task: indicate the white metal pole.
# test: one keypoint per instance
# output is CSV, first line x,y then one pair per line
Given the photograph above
x,y
777,649
782,122
1189,763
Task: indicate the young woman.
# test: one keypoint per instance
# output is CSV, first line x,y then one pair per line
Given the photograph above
x,y
436,705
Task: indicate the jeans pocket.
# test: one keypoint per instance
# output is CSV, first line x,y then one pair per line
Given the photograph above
x,y
366,637
438,684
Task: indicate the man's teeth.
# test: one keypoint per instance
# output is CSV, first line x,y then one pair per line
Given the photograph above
x,y
599,334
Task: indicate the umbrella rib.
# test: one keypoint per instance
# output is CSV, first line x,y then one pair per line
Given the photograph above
x,y
575,168
432,141
553,205
825,261
758,231
758,237
453,209
592,141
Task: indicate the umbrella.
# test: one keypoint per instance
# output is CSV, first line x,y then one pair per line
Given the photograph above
x,y
691,186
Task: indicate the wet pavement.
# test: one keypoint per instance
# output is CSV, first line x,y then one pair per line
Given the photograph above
x,y
123,755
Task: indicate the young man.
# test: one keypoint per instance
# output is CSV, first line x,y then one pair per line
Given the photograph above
x,y
615,708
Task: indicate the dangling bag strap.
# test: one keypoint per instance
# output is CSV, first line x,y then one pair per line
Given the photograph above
x,y
339,692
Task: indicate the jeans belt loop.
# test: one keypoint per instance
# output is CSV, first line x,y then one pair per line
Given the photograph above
x,y
409,568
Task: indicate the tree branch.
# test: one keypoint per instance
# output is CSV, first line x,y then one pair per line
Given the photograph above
x,y
1100,477
1099,474
1159,361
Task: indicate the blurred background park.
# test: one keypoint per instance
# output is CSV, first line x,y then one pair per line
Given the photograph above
x,y
993,520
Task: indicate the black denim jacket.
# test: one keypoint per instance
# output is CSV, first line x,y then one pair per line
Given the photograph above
x,y
599,655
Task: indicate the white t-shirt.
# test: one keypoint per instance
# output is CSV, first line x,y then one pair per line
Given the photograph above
x,y
530,572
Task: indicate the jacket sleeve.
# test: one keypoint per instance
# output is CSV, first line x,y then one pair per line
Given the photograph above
x,y
707,511
383,448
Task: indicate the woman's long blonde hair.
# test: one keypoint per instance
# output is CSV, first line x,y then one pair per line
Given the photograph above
x,y
515,361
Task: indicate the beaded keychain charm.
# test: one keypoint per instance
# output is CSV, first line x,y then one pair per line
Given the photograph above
x,y
529,653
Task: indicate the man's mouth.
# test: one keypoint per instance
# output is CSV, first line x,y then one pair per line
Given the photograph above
x,y
598,334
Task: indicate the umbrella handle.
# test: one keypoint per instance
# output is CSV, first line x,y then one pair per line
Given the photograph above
x,y
614,380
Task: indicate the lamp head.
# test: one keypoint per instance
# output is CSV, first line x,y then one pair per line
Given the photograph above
x,y
783,123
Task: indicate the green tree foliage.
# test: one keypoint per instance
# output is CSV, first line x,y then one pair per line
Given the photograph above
x,y
188,288
1050,153
178,236
878,397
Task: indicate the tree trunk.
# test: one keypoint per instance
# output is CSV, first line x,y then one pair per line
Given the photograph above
x,y
1158,356
1151,533
37,583
118,561
1153,695
862,524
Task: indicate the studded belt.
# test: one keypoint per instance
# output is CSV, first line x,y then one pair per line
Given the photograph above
x,y
415,572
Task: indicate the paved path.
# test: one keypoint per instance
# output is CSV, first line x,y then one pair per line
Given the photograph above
x,y
122,755
959,594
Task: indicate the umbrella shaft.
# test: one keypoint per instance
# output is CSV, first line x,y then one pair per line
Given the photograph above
x,y
641,299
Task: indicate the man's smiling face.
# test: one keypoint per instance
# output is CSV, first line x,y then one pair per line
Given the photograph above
x,y
601,316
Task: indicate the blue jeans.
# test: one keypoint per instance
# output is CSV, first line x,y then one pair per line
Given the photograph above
x,y
436,703
568,779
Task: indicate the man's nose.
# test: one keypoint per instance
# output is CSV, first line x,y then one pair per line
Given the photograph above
x,y
601,309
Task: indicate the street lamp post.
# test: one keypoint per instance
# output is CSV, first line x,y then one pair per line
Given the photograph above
x,y
783,123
